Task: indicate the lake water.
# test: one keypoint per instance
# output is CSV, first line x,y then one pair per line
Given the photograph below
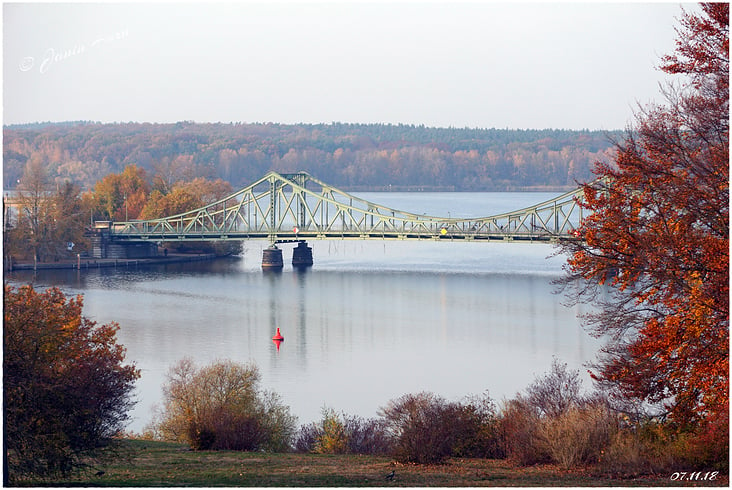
x,y
369,322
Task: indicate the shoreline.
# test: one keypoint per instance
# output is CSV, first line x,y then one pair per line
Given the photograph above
x,y
92,263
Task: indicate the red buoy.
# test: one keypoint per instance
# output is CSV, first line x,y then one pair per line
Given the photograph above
x,y
278,339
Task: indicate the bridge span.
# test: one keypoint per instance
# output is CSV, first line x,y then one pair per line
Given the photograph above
x,y
298,207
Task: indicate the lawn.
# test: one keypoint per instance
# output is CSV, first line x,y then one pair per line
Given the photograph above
x,y
156,464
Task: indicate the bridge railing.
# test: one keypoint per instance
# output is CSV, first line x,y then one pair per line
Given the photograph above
x,y
300,206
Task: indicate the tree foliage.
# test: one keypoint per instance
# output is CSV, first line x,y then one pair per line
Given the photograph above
x,y
656,250
70,217
34,217
220,406
66,390
356,156
122,196
184,196
45,220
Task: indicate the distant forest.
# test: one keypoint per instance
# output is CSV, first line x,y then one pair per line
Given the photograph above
x,y
348,156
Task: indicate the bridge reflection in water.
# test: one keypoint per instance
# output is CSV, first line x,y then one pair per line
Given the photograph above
x,y
297,207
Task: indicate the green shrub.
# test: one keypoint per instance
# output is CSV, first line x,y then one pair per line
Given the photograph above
x,y
220,406
478,434
276,422
332,438
338,434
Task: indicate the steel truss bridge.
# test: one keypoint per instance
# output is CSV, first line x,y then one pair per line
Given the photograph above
x,y
297,207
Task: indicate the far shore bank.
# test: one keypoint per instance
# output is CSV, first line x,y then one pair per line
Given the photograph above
x,y
94,263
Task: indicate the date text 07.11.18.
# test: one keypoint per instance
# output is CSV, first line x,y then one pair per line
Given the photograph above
x,y
694,475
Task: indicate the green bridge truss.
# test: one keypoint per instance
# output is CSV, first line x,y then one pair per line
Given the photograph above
x,y
290,207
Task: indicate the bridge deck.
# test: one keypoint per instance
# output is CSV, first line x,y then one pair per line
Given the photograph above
x,y
289,236
300,207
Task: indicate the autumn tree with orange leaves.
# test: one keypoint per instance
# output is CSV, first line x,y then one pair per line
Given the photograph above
x,y
122,196
66,391
655,254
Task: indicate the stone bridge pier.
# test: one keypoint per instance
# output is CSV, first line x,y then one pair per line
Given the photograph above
x,y
302,256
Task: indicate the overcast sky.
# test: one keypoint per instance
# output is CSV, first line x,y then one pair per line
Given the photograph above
x,y
480,64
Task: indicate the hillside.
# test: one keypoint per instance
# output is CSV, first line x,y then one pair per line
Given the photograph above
x,y
350,156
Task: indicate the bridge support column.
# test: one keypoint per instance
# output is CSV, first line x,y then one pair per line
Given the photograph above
x,y
302,255
272,258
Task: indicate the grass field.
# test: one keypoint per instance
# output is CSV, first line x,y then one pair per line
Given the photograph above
x,y
155,464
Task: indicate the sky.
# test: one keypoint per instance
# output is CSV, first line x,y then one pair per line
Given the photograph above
x,y
479,64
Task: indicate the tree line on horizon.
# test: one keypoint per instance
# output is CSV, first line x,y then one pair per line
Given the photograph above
x,y
350,156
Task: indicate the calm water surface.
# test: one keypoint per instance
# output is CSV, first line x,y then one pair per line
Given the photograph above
x,y
370,321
